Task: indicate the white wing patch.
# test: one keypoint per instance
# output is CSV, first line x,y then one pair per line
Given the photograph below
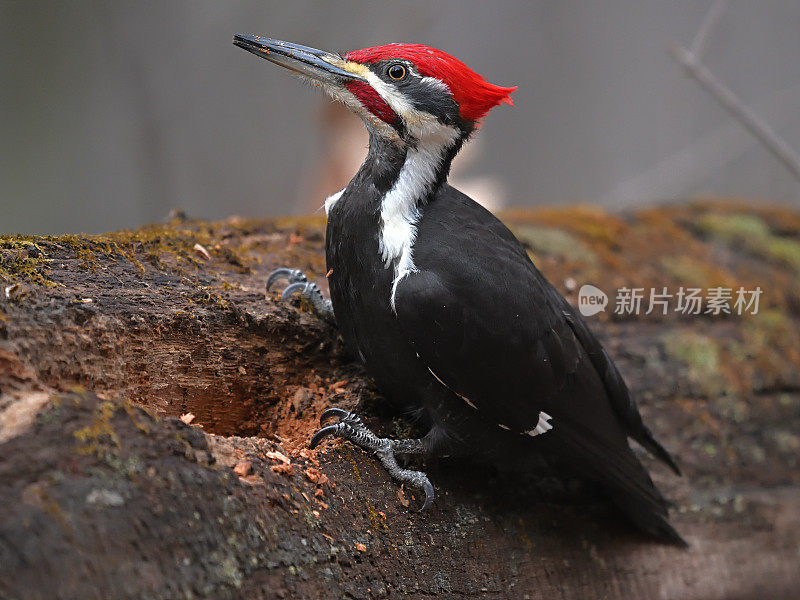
x,y
543,426
333,199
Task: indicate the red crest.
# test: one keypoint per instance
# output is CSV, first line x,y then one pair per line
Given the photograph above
x,y
475,96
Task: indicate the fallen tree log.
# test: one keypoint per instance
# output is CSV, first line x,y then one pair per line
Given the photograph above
x,y
106,340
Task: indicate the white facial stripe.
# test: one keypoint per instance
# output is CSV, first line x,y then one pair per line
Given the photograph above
x,y
399,210
419,124
341,94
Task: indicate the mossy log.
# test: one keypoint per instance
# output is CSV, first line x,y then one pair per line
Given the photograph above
x,y
105,493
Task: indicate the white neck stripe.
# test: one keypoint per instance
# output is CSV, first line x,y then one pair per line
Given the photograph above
x,y
399,209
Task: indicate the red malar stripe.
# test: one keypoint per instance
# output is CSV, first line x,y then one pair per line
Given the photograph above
x,y
372,101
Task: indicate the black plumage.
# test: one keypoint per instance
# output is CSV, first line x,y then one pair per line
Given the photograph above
x,y
479,321
457,326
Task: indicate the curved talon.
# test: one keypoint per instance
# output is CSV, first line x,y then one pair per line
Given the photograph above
x,y
428,488
324,432
334,412
352,429
299,286
293,275
299,283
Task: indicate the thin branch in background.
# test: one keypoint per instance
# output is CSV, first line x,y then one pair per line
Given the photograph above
x,y
709,151
690,60
712,18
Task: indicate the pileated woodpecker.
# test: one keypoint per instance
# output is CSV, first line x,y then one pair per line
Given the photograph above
x,y
439,299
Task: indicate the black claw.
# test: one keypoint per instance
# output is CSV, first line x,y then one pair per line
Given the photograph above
x,y
299,286
325,431
334,412
276,275
428,488
351,428
299,283
293,275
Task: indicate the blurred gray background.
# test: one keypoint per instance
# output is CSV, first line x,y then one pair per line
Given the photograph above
x,y
113,113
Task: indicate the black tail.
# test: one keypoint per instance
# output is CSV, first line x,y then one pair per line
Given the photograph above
x,y
645,437
626,481
651,522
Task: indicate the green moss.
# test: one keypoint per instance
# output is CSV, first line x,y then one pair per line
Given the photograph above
x,y
784,250
207,296
698,351
686,270
159,244
770,348
771,332
83,249
302,224
555,242
768,327
701,355
23,259
134,417
734,227
754,234
312,522
227,286
226,568
169,246
693,272
99,437
590,223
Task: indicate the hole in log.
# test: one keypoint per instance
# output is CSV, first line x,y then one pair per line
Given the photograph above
x,y
238,375
144,316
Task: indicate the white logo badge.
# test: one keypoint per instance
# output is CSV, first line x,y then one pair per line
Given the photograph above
x,y
591,300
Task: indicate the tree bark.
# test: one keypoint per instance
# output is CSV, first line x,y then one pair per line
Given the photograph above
x,y
104,492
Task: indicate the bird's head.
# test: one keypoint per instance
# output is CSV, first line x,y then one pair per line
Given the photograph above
x,y
405,92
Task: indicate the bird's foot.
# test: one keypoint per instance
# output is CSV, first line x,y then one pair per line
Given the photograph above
x,y
308,290
351,428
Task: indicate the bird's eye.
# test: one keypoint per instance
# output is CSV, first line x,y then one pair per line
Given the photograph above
x,y
396,72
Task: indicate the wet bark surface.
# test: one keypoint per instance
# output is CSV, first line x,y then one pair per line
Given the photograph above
x,y
106,340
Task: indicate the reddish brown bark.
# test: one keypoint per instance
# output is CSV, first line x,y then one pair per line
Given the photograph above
x,y
104,495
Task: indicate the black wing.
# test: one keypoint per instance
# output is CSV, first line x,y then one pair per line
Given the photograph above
x,y
495,331
617,390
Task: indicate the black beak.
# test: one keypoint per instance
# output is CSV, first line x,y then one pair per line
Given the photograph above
x,y
315,64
